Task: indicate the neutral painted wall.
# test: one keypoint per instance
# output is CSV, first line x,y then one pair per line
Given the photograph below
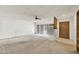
x,y
12,25
72,19
45,21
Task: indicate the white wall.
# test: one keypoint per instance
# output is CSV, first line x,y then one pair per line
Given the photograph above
x,y
45,21
12,25
72,19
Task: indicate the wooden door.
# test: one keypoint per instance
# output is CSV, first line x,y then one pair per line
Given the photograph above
x,y
78,31
64,30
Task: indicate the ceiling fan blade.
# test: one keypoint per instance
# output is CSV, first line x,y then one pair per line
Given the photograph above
x,y
36,18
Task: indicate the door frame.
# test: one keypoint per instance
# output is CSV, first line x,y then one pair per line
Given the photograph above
x,y
77,40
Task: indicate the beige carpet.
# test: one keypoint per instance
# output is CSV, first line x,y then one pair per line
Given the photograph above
x,y
35,45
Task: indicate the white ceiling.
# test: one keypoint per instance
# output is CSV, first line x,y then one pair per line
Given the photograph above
x,y
39,10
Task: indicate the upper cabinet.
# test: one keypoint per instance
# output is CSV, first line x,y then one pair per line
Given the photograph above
x,y
55,23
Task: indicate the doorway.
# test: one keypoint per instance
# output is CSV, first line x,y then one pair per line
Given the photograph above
x,y
64,30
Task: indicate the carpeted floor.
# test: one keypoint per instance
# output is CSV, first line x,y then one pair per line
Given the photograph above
x,y
35,45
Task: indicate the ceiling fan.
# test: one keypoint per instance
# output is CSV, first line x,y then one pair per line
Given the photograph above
x,y
36,18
